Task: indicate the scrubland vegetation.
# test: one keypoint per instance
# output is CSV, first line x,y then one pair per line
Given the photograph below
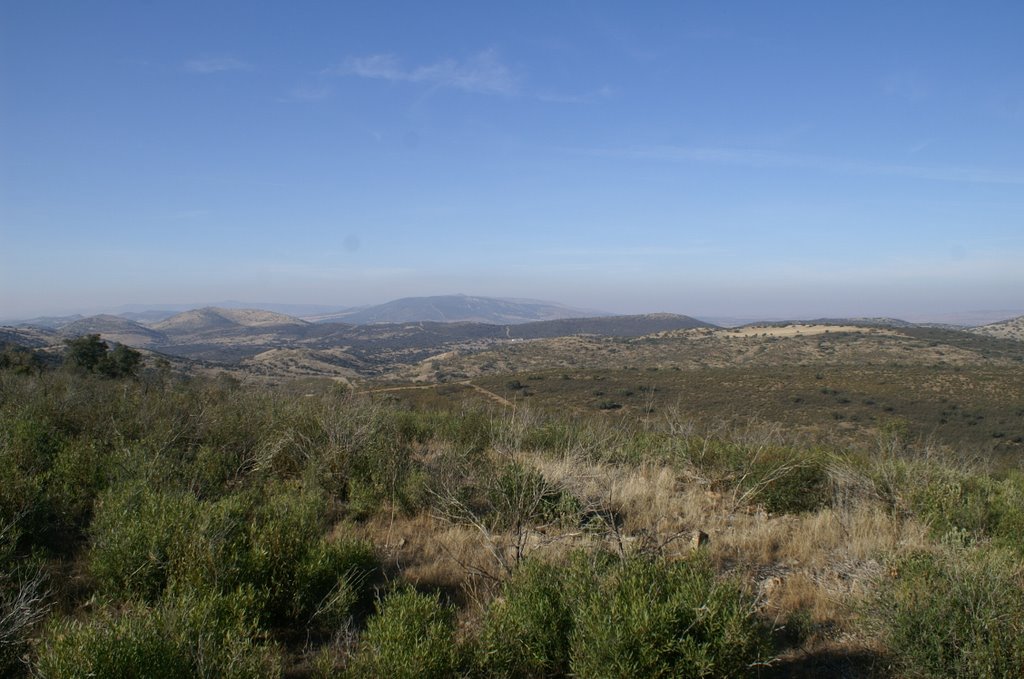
x,y
152,526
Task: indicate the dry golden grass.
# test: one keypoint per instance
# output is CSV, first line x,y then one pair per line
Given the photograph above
x,y
821,562
817,566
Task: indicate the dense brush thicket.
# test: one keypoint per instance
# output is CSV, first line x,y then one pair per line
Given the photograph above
x,y
152,527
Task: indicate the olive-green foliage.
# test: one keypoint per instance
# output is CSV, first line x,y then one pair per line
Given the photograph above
x,y
597,616
526,631
973,505
21,360
50,471
652,618
781,479
959,614
519,496
792,484
148,542
378,463
471,430
89,353
85,352
411,637
176,494
138,537
195,635
122,361
301,573
24,601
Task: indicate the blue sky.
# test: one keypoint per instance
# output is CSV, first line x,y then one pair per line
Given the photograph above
x,y
710,158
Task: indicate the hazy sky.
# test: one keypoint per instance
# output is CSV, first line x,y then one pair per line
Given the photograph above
x,y
710,158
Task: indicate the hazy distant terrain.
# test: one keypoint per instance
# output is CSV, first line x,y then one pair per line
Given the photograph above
x,y
457,309
1010,329
852,373
277,345
394,339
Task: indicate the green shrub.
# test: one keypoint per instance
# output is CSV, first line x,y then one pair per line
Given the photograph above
x,y
974,505
24,601
780,479
597,616
793,487
955,615
138,537
273,542
80,472
284,528
526,631
518,496
333,580
412,636
190,636
472,430
270,543
376,464
652,618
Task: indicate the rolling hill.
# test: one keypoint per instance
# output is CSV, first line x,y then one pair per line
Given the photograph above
x,y
458,308
1009,329
213,319
115,329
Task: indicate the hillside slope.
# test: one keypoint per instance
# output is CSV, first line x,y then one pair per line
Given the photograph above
x,y
211,319
1012,329
115,329
458,308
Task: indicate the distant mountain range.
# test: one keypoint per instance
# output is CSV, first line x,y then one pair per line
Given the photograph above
x,y
375,341
439,309
264,342
458,309
466,308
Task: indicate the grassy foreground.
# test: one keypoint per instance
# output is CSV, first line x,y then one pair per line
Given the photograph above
x,y
159,527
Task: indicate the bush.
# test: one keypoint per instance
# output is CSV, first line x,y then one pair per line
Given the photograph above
x,y
977,506
192,636
526,632
376,464
652,618
89,353
778,478
955,615
597,616
24,601
792,488
138,537
412,636
518,496
271,543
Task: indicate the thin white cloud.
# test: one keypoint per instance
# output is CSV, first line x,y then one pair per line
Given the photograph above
x,y
205,65
759,158
483,73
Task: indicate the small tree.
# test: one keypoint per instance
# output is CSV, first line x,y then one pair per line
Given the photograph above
x,y
123,361
85,352
89,353
21,360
